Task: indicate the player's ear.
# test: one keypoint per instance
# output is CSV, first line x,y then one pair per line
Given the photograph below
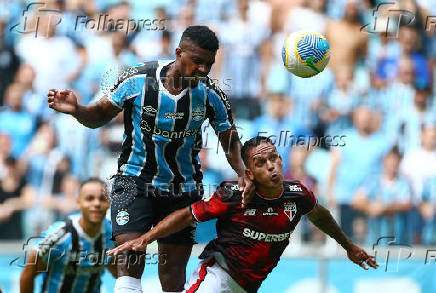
x,y
249,174
178,52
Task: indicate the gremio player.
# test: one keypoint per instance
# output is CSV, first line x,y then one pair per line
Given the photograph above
x,y
71,253
164,104
250,240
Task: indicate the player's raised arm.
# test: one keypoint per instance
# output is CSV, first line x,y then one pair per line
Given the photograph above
x,y
93,116
322,218
33,267
231,144
172,223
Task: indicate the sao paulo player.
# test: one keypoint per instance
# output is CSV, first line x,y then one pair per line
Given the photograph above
x,y
250,240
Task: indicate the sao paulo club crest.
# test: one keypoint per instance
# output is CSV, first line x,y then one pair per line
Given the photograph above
x,y
290,209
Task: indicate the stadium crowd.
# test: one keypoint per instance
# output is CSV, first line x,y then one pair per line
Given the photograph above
x,y
362,134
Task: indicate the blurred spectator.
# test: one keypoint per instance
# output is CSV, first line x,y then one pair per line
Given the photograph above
x,y
307,9
353,163
427,209
241,38
412,117
53,58
9,62
276,124
64,202
409,40
386,199
340,103
14,197
5,152
42,158
347,43
420,164
15,121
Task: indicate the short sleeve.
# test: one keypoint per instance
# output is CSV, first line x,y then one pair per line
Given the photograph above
x,y
128,86
218,109
309,200
210,208
51,244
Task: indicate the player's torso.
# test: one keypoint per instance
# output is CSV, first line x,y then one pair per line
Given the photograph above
x,y
90,260
163,131
261,231
165,116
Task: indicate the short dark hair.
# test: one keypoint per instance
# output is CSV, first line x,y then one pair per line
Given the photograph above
x,y
92,179
252,143
202,36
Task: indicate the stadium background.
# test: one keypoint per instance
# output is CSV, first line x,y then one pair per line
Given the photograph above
x,y
372,111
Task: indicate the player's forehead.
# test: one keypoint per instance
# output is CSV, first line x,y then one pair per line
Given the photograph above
x,y
263,150
195,51
92,188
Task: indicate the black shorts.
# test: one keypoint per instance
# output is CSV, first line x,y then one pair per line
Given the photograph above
x,y
134,211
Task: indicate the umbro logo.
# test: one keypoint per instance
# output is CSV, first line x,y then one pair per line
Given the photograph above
x,y
149,111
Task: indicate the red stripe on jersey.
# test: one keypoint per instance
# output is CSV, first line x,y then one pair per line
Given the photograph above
x,y
201,275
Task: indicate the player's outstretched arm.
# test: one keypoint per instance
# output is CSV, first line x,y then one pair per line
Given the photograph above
x,y
93,116
231,144
33,267
322,218
170,224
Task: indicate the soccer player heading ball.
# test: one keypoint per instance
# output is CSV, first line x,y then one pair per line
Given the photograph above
x,y
164,104
250,240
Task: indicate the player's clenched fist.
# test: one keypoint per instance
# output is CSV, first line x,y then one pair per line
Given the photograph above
x,y
64,101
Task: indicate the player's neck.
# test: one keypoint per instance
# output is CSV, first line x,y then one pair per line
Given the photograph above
x,y
89,228
174,80
269,193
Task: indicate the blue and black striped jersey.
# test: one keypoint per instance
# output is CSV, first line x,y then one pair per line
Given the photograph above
x,y
162,132
75,260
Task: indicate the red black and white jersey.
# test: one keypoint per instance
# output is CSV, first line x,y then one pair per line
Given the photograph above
x,y
252,239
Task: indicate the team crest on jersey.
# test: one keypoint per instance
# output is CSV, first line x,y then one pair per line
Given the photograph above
x,y
198,113
122,217
290,209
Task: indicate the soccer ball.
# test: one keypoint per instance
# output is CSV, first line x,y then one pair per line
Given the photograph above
x,y
305,53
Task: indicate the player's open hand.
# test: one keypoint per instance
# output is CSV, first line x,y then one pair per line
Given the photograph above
x,y
360,257
64,101
247,187
138,244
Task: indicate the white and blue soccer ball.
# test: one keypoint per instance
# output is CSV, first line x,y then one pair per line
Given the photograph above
x,y
305,53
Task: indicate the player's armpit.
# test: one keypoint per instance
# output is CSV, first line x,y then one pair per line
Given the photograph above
x,y
34,266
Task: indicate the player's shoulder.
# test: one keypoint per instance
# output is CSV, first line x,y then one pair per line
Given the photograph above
x,y
55,235
293,188
228,191
143,68
211,86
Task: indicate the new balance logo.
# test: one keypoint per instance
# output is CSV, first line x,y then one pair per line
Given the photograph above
x,y
250,212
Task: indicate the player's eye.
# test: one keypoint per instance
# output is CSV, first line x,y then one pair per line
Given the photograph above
x,y
196,60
